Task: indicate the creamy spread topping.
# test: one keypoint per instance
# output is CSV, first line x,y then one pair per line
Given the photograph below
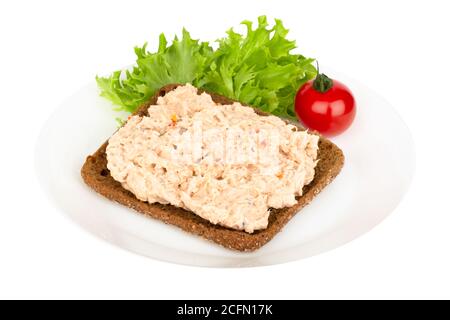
x,y
225,163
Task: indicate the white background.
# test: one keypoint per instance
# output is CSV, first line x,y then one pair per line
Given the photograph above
x,y
48,49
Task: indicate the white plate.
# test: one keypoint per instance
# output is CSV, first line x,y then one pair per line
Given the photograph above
x,y
379,167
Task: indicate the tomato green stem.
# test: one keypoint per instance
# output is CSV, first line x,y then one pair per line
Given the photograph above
x,y
322,83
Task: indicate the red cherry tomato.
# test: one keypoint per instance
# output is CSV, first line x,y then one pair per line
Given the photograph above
x,y
325,105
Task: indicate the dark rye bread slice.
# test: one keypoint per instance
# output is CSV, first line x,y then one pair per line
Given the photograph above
x,y
97,176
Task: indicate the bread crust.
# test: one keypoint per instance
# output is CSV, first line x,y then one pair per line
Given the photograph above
x,y
96,175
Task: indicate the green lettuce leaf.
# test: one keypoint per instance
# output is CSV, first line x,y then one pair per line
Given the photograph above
x,y
257,68
181,62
